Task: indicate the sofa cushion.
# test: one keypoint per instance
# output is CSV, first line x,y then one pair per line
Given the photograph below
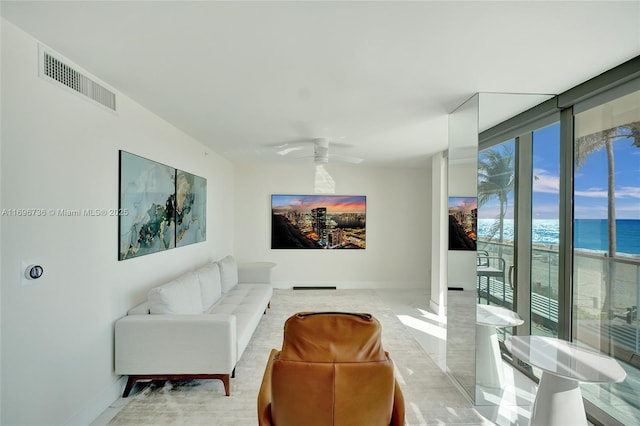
x,y
247,303
210,287
180,296
228,273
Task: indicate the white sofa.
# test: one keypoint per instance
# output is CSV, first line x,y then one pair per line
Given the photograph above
x,y
194,327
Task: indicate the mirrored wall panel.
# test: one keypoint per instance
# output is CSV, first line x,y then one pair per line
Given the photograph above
x,y
480,181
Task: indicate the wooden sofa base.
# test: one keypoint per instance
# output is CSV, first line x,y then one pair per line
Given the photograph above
x,y
133,379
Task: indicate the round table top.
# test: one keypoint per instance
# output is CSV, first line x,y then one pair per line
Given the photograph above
x,y
565,359
497,316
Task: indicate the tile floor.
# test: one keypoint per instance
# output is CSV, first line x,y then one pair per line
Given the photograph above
x,y
511,407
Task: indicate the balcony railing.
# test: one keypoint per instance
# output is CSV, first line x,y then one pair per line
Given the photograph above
x,y
604,320
593,321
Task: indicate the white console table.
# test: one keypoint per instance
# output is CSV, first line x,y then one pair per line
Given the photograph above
x,y
563,364
489,361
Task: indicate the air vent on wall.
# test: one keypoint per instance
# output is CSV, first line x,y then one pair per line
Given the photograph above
x,y
55,69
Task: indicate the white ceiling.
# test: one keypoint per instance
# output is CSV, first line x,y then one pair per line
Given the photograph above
x,y
379,76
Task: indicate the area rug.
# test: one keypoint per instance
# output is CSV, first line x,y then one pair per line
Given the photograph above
x,y
430,396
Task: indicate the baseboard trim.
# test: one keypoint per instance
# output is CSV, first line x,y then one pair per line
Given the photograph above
x,y
99,404
350,285
324,287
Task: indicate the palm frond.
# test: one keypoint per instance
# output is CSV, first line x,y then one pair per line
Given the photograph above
x,y
588,144
495,174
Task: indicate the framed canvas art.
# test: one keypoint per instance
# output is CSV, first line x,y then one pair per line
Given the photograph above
x,y
326,222
147,193
191,209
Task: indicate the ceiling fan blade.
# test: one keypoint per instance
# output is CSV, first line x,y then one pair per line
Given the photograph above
x,y
320,148
287,143
344,159
289,149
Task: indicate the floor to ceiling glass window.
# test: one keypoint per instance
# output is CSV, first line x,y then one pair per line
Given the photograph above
x,y
545,231
496,184
606,245
559,228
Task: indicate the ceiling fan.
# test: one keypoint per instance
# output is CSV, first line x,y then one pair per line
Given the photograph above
x,y
321,153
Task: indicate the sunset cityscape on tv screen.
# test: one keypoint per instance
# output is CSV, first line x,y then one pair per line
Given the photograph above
x,y
318,222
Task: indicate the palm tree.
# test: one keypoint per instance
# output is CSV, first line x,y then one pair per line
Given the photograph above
x,y
585,146
496,179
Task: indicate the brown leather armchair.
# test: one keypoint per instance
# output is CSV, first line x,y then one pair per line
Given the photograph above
x,y
332,370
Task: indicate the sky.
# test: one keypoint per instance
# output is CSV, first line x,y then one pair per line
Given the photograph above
x,y
333,203
590,184
463,203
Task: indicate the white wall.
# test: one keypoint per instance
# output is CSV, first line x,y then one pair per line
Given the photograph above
x,y
398,226
60,151
439,234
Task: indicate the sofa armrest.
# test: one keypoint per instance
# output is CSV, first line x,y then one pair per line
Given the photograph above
x,y
255,272
175,344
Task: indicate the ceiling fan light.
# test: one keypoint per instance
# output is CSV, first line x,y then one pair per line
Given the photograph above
x,y
321,151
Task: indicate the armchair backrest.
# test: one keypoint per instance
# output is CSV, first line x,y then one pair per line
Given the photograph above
x,y
332,337
332,370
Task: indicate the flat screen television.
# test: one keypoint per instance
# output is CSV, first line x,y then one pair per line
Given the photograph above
x,y
463,223
318,222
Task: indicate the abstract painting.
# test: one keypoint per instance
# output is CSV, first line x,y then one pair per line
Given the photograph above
x,y
147,195
191,209
326,222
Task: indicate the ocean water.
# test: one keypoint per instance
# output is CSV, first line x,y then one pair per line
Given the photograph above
x,y
589,234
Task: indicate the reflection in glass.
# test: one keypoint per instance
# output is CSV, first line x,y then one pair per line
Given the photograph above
x,y
545,231
461,305
496,168
496,178
606,242
489,265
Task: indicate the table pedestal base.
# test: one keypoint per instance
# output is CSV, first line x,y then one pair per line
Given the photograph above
x,y
489,371
558,403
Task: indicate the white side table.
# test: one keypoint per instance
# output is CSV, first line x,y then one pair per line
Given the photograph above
x,y
489,361
563,364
